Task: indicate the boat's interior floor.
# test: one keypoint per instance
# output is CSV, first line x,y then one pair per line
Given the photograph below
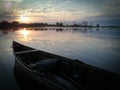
x,y
56,71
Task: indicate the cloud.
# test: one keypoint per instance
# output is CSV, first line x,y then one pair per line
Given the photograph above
x,y
111,4
13,0
83,14
67,1
53,10
8,16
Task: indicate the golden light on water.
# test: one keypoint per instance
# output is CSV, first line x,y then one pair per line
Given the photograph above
x,y
25,32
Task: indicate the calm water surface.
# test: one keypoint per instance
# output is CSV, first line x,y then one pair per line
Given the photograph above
x,y
98,47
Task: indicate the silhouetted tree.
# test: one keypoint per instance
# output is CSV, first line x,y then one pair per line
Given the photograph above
x,y
97,25
4,22
15,22
59,24
91,24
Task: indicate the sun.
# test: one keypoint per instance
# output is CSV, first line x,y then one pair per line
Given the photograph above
x,y
24,19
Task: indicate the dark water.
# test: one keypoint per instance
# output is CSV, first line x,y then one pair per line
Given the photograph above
x,y
98,47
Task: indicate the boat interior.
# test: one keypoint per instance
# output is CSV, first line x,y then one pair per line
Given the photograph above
x,y
52,64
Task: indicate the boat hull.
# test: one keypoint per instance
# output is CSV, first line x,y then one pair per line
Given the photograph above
x,y
89,77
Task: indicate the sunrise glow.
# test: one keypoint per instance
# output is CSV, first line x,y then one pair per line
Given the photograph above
x,y
24,19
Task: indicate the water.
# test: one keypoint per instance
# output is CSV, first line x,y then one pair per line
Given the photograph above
x,y
98,47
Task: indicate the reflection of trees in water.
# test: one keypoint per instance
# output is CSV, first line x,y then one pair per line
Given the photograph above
x,y
57,29
5,32
97,29
67,29
73,29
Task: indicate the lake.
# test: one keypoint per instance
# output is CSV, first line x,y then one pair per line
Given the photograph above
x,y
99,47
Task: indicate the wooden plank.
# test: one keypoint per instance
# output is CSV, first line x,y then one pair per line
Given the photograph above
x,y
21,52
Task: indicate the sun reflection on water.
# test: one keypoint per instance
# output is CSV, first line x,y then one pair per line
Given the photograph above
x,y
25,34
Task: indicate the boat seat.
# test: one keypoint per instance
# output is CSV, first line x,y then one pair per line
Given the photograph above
x,y
28,51
46,65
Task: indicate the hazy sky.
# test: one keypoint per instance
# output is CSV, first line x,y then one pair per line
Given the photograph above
x,y
98,11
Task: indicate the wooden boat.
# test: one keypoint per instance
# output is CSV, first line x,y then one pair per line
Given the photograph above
x,y
61,73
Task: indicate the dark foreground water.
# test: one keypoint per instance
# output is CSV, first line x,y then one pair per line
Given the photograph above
x,y
98,47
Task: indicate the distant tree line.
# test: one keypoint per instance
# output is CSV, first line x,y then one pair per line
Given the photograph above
x,y
6,24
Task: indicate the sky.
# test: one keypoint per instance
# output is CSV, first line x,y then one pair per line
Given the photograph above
x,y
105,12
